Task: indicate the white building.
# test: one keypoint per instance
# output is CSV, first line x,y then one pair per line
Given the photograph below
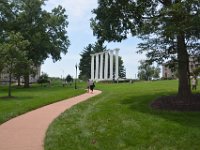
x,y
4,77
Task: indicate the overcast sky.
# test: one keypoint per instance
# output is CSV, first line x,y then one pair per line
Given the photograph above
x,y
80,35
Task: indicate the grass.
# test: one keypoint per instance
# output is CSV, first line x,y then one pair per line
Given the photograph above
x,y
24,100
121,118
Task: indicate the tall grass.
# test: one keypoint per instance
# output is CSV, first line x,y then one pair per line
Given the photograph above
x,y
121,118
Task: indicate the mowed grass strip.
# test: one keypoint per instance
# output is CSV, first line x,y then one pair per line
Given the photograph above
x,y
36,96
121,119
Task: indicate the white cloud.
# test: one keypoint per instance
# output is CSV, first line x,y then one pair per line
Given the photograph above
x,y
79,8
79,13
74,8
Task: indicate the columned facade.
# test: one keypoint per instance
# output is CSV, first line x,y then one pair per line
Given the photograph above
x,y
92,66
111,65
106,66
101,66
116,64
103,62
97,67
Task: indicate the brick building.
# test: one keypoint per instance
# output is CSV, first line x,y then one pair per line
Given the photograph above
x,y
170,72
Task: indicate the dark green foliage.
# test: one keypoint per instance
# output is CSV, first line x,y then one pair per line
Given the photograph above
x,y
122,71
43,79
85,63
196,72
69,78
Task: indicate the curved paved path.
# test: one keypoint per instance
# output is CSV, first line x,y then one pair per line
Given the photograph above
x,y
27,131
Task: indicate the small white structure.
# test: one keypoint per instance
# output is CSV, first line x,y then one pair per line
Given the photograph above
x,y
99,69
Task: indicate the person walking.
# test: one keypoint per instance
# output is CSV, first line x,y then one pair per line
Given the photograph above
x,y
91,85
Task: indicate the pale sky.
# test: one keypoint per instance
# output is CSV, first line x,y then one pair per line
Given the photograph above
x,y
80,35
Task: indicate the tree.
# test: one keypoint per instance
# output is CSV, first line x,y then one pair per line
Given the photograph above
x,y
147,71
122,71
196,71
24,68
12,53
85,61
156,73
44,78
46,31
69,79
170,29
1,61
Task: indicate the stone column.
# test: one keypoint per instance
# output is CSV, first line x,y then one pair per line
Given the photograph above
x,y
101,66
92,66
97,67
111,64
106,66
116,64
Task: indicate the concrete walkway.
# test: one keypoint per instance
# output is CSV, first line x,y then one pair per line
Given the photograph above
x,y
27,131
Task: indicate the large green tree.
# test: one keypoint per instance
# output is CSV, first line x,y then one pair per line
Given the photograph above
x,y
46,31
170,29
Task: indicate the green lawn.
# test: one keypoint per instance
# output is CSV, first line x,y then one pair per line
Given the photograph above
x,y
121,119
25,100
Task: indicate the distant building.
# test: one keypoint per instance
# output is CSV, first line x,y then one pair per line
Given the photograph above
x,y
168,72
4,77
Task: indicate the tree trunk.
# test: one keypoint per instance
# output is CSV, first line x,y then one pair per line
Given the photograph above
x,y
184,91
18,81
9,85
26,81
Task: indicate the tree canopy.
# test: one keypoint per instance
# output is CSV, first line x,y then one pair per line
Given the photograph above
x,y
85,63
170,29
46,31
69,78
44,78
